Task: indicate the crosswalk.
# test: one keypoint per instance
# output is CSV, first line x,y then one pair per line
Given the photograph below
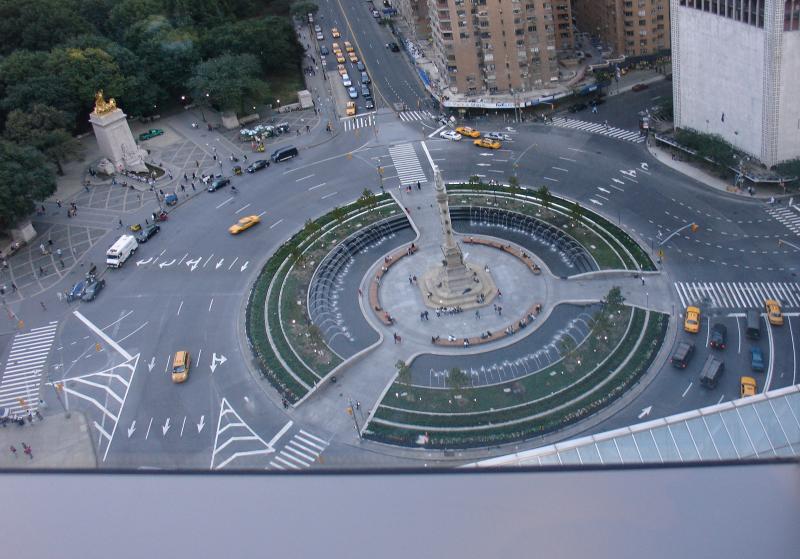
x,y
408,116
302,451
406,162
738,295
19,387
360,121
598,128
790,217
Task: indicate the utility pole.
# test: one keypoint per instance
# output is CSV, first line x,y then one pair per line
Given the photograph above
x,y
352,411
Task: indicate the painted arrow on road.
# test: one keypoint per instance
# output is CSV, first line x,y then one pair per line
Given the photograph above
x,y
132,428
244,266
202,423
151,364
219,263
193,263
217,361
170,263
165,427
140,262
645,412
617,181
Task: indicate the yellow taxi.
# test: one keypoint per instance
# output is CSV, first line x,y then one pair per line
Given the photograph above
x,y
342,69
467,131
487,143
336,48
340,58
774,314
180,366
350,110
244,223
352,56
748,386
692,322
348,47
335,33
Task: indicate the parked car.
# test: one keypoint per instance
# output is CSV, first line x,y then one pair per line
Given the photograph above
x,y
450,135
93,290
368,104
257,165
320,37
360,66
350,109
152,133
216,184
171,199
365,92
756,359
351,91
77,290
323,50
640,87
341,69
148,231
376,14
364,77
393,47
346,81
719,336
577,107
335,33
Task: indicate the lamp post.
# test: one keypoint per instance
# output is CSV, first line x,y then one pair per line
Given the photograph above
x,y
204,101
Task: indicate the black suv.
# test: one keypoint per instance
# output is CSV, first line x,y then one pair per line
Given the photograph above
x,y
393,47
257,165
147,231
719,336
93,289
682,355
216,184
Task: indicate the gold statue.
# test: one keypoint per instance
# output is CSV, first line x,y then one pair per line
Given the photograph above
x,y
101,106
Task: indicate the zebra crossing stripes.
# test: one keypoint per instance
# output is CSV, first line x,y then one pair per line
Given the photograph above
x,y
788,217
300,452
738,295
408,116
407,164
598,128
24,365
360,121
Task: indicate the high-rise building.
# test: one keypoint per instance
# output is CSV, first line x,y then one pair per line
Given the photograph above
x,y
415,13
736,73
629,27
498,46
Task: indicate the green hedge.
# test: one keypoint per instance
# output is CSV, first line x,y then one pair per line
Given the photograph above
x,y
639,362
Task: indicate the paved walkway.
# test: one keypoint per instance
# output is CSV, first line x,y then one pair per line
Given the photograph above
x,y
55,442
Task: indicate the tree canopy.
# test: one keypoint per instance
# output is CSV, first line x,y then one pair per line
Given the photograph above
x,y
26,177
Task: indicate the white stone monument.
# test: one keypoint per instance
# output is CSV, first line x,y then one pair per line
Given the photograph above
x,y
114,136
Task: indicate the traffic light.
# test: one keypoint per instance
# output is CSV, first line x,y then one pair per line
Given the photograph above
x,y
695,227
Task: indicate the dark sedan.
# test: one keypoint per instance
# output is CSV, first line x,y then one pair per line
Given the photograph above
x,y
257,165
577,107
216,184
76,291
147,231
93,290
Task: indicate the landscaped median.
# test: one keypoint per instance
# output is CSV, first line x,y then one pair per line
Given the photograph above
x,y
622,345
288,348
611,247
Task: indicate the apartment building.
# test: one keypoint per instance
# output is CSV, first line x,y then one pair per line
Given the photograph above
x,y
629,27
736,73
498,46
415,14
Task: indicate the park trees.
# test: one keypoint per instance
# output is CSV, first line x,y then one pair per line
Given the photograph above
x,y
230,80
26,177
44,128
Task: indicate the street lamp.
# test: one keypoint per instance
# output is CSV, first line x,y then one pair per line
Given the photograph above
x,y
202,113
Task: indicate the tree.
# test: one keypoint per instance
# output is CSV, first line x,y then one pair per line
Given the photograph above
x,y
310,228
513,186
576,213
543,193
368,199
43,128
457,378
26,25
403,372
613,300
474,180
26,177
303,7
230,80
338,214
271,39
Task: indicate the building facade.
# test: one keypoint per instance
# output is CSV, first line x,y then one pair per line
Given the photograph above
x,y
415,14
629,27
736,73
498,46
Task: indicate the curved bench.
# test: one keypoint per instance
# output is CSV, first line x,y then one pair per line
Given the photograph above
x,y
518,253
374,284
509,330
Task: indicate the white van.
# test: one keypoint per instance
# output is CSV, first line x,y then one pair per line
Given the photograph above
x,y
121,250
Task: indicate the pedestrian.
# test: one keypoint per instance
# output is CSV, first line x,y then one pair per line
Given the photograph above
x,y
13,287
58,203
194,175
39,415
410,280
193,188
477,315
28,450
360,293
196,163
308,128
220,164
49,242
41,271
61,261
185,177
358,405
41,247
30,416
214,157
642,280
499,293
13,450
245,157
500,310
86,186
120,224
183,188
43,307
169,173
58,252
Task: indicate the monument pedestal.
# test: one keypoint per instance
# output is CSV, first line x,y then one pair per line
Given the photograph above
x,y
470,289
116,142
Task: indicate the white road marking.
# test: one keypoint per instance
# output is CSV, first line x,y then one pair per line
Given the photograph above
x,y
210,304
103,335
179,308
243,208
276,223
549,179
304,178
148,429
329,195
280,433
686,391
320,185
222,204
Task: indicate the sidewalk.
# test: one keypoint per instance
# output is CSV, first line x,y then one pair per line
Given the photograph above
x,y
55,441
